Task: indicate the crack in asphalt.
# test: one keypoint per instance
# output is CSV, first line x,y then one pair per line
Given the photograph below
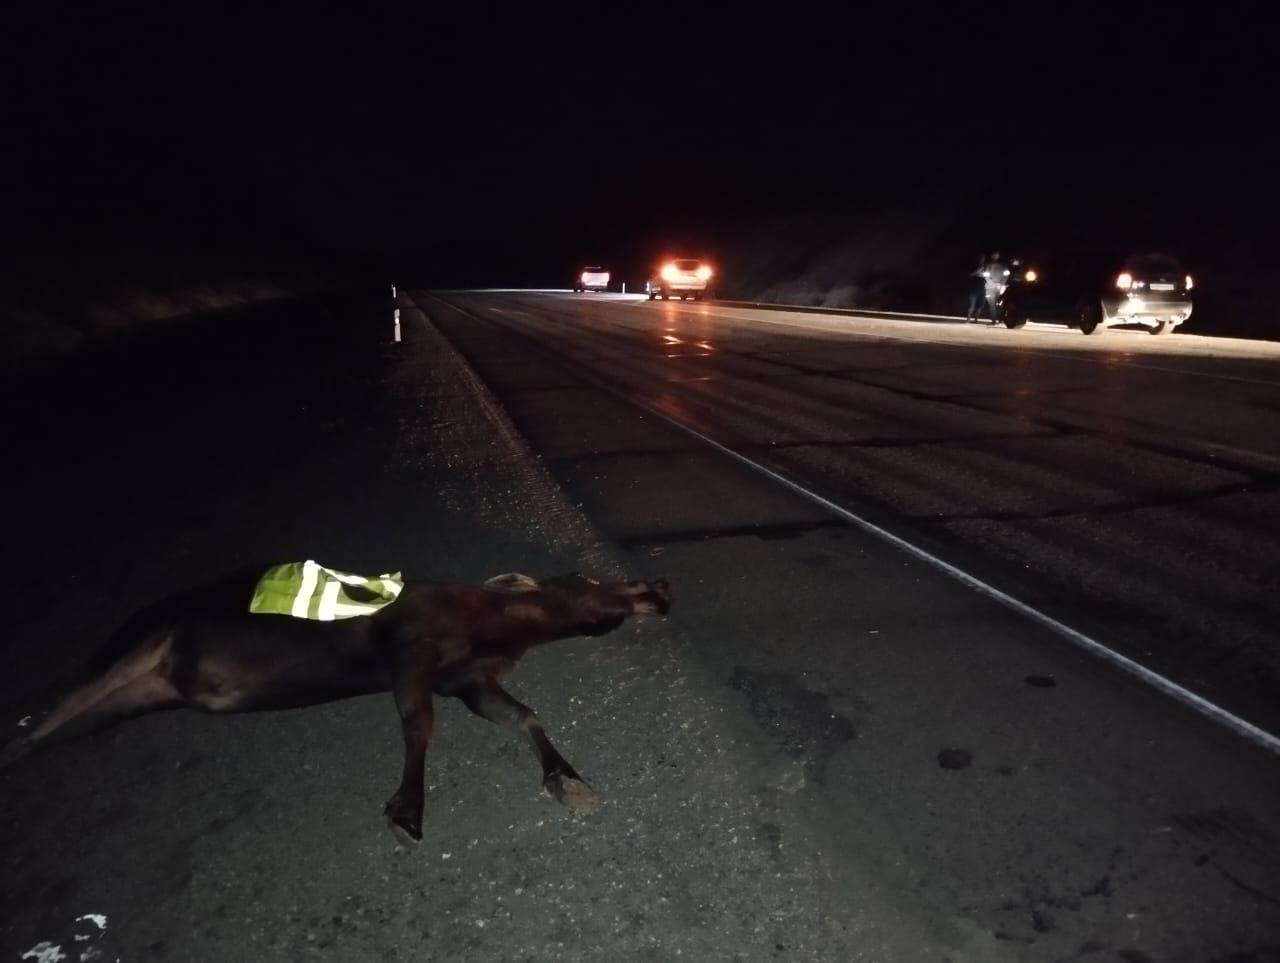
x,y
764,532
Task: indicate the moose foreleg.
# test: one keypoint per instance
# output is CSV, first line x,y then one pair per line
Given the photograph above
x,y
490,701
417,721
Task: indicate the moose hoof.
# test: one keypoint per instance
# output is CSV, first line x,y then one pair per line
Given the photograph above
x,y
573,793
404,821
404,836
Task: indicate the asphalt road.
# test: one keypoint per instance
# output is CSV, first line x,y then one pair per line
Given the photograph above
x,y
1125,484
829,750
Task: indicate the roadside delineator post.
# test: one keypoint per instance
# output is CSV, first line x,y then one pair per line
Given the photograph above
x,y
393,291
397,325
624,287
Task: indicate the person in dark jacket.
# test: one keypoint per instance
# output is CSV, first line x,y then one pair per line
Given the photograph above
x,y
977,289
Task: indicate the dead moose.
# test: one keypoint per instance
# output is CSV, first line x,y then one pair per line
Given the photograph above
x,y
204,650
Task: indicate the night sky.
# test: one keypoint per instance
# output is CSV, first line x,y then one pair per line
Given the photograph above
x,y
498,148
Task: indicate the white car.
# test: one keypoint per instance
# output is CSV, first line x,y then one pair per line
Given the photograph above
x,y
592,279
687,277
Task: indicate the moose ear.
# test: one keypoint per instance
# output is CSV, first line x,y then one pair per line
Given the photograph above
x,y
512,582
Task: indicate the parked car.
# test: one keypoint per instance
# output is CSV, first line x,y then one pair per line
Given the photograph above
x,y
1092,291
686,277
591,279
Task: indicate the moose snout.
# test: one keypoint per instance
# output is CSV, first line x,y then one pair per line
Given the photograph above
x,y
654,598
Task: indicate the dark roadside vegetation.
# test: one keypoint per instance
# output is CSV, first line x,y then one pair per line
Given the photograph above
x,y
90,303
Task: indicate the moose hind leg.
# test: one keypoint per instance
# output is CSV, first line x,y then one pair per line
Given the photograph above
x,y
490,701
93,707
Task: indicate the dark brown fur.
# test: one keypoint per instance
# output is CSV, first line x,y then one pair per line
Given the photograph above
x,y
205,650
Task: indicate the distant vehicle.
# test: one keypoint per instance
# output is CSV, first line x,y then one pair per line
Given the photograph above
x,y
591,279
1089,292
687,277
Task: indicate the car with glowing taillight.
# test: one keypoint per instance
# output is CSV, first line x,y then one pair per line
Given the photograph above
x,y
683,277
591,279
1148,290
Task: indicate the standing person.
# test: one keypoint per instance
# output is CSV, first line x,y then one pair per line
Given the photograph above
x,y
995,277
977,289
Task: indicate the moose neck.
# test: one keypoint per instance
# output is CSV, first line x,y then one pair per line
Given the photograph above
x,y
541,620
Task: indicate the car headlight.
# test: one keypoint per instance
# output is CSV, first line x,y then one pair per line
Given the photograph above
x,y
583,277
668,272
1030,276
1124,281
704,273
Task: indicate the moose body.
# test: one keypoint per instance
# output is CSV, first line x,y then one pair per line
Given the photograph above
x,y
205,650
